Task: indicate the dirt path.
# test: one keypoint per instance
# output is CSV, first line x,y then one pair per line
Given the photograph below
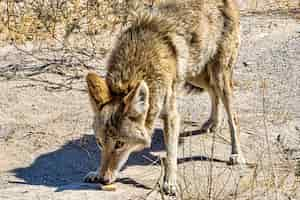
x,y
46,142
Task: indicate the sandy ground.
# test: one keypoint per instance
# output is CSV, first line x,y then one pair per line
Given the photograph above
x,y
47,146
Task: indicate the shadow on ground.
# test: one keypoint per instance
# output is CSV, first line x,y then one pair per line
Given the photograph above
x,y
71,162
66,167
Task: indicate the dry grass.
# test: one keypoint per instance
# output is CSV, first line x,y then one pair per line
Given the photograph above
x,y
27,20
271,175
74,28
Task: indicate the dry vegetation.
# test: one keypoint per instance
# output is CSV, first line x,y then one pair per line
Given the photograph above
x,y
75,28
26,20
45,20
70,36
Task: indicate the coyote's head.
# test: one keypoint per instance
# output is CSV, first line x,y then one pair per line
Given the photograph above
x,y
119,123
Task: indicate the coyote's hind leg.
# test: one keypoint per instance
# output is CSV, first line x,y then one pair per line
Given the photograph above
x,y
221,77
213,122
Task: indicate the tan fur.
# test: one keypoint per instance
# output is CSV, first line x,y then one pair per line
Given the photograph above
x,y
167,46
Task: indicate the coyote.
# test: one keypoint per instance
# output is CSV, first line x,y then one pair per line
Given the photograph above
x,y
166,47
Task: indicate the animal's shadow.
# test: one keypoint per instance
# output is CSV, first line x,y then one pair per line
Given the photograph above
x,y
71,162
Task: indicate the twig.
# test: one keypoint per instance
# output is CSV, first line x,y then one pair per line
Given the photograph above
x,y
268,141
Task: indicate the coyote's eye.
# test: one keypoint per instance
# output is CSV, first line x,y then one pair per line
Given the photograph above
x,y
99,143
119,144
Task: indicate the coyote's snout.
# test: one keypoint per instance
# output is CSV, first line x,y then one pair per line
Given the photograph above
x,y
168,46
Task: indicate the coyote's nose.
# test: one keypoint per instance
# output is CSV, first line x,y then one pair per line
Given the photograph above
x,y
105,181
107,177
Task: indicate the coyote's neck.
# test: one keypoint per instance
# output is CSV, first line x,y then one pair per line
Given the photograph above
x,y
140,54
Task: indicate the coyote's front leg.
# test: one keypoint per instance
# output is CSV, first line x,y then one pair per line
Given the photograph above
x,y
171,134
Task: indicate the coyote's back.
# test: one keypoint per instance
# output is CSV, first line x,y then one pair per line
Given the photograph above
x,y
192,31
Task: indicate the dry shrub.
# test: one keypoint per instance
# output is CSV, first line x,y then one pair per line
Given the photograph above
x,y
29,20
61,32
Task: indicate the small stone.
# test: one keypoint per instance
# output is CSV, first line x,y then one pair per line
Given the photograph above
x,y
246,64
110,187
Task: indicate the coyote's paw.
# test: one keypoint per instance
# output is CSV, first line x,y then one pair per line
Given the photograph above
x,y
210,126
236,159
169,188
92,177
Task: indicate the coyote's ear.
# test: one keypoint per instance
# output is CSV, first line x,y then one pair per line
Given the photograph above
x,y
137,101
98,90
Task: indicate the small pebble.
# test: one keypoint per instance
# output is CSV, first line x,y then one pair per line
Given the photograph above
x,y
110,187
